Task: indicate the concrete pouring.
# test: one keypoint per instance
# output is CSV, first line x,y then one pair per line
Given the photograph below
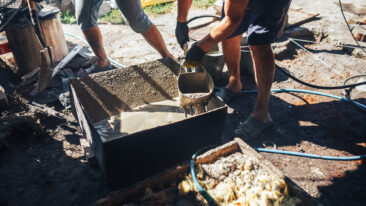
x,y
107,103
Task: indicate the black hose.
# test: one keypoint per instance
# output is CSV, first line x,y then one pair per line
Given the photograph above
x,y
344,86
202,16
347,93
349,28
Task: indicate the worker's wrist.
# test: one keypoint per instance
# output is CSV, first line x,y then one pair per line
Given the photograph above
x,y
206,43
184,23
181,18
195,53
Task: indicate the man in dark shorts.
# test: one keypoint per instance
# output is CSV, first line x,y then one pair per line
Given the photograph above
x,y
262,20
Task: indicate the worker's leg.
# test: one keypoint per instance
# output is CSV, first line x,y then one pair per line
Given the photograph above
x,y
140,23
154,38
264,67
94,38
231,49
264,26
265,22
86,12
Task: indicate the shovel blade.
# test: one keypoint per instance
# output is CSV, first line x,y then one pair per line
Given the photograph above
x,y
195,88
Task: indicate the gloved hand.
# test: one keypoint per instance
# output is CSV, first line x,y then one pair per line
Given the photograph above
x,y
181,33
194,56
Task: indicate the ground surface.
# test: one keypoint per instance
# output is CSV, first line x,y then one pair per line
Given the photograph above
x,y
44,164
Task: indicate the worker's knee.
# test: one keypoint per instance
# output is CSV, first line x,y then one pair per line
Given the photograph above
x,y
86,13
139,23
265,48
86,24
134,15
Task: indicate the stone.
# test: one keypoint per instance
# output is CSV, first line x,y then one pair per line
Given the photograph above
x,y
359,33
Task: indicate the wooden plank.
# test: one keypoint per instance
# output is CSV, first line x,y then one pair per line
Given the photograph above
x,y
167,177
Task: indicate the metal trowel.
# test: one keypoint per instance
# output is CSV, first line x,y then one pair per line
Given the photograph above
x,y
195,87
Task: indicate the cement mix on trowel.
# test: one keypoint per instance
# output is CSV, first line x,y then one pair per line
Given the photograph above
x,y
140,118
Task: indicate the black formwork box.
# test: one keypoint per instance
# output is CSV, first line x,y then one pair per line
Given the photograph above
x,y
125,160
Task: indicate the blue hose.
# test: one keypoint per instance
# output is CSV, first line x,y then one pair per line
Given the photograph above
x,y
314,156
210,200
308,92
85,42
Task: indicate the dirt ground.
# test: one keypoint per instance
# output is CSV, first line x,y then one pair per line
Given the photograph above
x,y
43,163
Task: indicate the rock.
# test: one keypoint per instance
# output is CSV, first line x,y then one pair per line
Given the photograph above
x,y
105,8
67,5
359,34
3,99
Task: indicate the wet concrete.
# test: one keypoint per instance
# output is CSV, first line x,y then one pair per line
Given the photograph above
x,y
141,118
109,93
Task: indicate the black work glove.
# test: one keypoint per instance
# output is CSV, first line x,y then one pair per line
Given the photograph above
x,y
194,55
181,33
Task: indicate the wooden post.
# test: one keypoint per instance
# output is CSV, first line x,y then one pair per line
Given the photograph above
x,y
26,48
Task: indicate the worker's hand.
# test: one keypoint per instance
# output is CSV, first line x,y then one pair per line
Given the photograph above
x,y
194,56
181,33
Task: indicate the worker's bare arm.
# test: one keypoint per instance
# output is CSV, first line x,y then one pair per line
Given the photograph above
x,y
234,12
183,8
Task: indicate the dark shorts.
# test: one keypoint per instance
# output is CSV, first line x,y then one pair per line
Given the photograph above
x,y
87,12
262,20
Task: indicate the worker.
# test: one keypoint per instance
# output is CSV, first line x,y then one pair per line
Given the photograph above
x,y
86,13
262,20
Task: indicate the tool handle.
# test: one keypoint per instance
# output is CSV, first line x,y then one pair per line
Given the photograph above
x,y
35,22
